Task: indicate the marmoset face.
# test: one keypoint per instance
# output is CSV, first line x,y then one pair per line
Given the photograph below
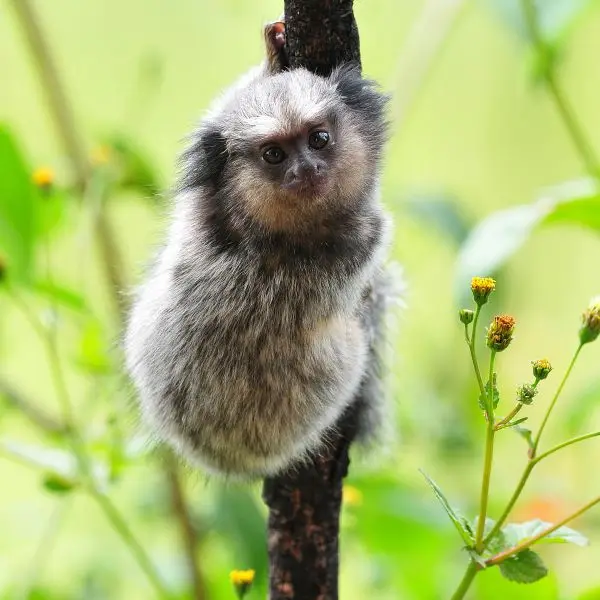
x,y
296,152
300,164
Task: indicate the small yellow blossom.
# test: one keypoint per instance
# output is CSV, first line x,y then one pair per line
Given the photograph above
x,y
43,177
101,155
482,287
242,581
352,496
590,327
499,333
541,368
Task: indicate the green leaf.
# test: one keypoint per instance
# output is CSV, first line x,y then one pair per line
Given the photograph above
x,y
525,434
495,394
60,295
439,213
495,239
18,218
516,533
524,567
134,169
93,355
555,17
58,484
461,524
517,422
48,459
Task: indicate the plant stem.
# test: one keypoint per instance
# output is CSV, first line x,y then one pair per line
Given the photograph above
x,y
553,402
500,424
188,532
488,460
65,124
120,526
574,440
80,452
465,584
511,502
473,353
536,538
576,131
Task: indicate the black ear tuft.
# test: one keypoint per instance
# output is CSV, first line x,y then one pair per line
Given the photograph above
x,y
204,161
363,97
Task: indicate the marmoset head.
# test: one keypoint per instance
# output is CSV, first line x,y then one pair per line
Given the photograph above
x,y
289,148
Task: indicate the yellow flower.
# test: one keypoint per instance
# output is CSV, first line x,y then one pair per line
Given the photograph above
x,y
482,287
242,581
499,333
541,368
590,327
43,177
352,496
101,155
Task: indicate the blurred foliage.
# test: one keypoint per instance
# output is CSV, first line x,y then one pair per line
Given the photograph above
x,y
463,179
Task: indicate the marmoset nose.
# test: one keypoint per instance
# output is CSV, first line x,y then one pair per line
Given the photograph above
x,y
305,175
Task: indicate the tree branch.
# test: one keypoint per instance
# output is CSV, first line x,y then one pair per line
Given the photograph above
x,y
304,504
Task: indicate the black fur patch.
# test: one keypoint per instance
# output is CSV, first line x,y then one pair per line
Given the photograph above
x,y
363,97
204,161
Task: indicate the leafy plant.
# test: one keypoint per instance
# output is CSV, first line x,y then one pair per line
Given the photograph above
x,y
488,542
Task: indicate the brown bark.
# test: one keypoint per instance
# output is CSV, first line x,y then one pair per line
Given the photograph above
x,y
304,503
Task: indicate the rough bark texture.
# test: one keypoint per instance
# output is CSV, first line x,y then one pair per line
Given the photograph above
x,y
321,34
304,504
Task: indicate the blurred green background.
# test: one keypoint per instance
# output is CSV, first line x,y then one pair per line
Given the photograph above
x,y
475,132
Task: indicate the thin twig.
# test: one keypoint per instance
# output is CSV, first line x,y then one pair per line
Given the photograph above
x,y
574,127
495,560
40,418
188,532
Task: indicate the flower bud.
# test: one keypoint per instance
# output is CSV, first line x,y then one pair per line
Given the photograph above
x,y
541,368
242,581
499,333
482,287
590,327
466,316
526,393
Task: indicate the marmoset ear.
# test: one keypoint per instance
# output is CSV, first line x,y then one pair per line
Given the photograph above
x,y
366,102
204,161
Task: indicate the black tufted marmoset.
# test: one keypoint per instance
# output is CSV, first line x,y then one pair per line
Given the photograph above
x,y
258,324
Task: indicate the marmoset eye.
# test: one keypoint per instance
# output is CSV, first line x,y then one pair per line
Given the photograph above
x,y
318,139
273,155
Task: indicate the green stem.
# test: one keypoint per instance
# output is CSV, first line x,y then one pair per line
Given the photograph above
x,y
488,460
500,424
120,526
465,584
550,408
80,452
576,131
570,442
473,353
511,502
495,560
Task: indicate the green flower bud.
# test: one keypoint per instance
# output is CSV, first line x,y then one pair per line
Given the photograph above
x,y
466,316
526,393
590,327
499,333
541,368
482,287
